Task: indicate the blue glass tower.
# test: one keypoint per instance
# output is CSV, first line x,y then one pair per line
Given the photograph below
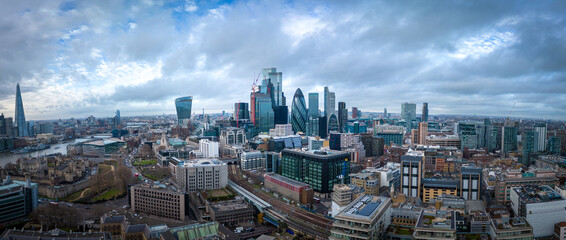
x,y
183,105
21,124
299,114
313,105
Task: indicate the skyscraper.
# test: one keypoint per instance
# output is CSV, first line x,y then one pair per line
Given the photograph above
x,y
425,112
299,114
342,116
385,113
529,140
509,137
329,102
332,125
355,113
241,111
117,117
276,79
313,105
540,142
264,117
21,125
184,105
408,111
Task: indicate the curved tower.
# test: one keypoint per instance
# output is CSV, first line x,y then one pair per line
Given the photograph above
x,y
184,105
333,125
299,114
21,125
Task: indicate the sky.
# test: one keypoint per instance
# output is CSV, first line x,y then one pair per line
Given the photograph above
x,y
82,58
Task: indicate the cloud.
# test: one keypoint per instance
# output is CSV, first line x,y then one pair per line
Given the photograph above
x,y
75,59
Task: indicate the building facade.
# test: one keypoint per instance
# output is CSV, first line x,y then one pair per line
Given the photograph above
x,y
252,160
183,106
313,105
17,199
411,174
295,190
365,218
201,174
158,201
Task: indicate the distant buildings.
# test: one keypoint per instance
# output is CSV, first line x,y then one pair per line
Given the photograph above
x,y
509,137
329,102
424,115
55,234
201,174
241,111
20,124
183,106
342,116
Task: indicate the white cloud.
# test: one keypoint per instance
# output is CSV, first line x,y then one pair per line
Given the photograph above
x,y
484,44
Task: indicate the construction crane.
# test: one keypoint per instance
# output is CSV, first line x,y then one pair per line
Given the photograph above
x,y
252,100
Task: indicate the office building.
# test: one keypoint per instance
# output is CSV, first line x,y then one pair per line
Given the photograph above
x,y
241,111
17,199
471,183
411,173
433,188
391,134
365,218
540,137
232,136
313,105
262,112
505,228
342,116
509,137
409,114
356,127
329,102
335,142
422,133
184,106
252,160
444,141
554,144
315,143
281,130
529,144
435,224
270,75
20,125
158,201
201,174
541,206
510,179
373,145
424,115
355,114
299,114
342,195
231,212
272,162
208,149
297,191
319,169
313,127
333,123
280,114
6,126
368,181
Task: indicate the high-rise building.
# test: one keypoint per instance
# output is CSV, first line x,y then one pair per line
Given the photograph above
x,y
184,105
21,124
355,113
329,102
554,145
18,199
313,105
280,114
201,174
529,143
263,114
509,137
411,174
425,112
299,114
423,132
408,111
241,111
470,183
540,132
276,79
343,116
332,125
2,125
117,119
385,113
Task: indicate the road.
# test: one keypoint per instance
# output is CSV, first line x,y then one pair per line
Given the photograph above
x,y
307,222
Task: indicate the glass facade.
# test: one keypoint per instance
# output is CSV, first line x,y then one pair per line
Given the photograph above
x,y
333,123
184,105
264,116
20,123
299,112
319,169
313,105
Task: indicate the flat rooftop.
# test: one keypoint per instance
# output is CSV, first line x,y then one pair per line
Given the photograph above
x,y
287,180
537,194
202,162
440,219
318,153
365,207
231,205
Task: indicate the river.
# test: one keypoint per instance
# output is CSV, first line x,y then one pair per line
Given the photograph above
x,y
6,157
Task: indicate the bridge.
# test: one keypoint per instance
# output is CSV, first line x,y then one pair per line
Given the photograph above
x,y
269,215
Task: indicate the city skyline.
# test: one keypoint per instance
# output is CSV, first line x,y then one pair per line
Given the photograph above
x,y
76,59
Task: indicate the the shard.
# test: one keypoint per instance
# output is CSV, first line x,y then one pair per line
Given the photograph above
x,y
21,125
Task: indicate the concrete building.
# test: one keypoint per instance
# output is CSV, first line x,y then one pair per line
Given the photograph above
x,y
541,206
365,218
390,175
560,231
435,224
368,181
158,201
281,130
17,199
470,183
411,173
252,160
201,174
209,149
444,141
232,136
342,195
55,234
319,169
510,179
230,212
510,228
115,225
432,188
295,190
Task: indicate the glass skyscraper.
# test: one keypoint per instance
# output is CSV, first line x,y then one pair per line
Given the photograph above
x,y
329,102
333,123
241,111
184,105
21,124
263,114
313,105
425,112
343,116
299,114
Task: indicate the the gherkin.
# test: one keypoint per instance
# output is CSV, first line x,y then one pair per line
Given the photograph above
x,y
299,113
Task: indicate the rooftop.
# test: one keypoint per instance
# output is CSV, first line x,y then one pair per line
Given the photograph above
x,y
442,219
317,153
365,207
202,162
537,194
54,234
287,180
510,223
231,205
